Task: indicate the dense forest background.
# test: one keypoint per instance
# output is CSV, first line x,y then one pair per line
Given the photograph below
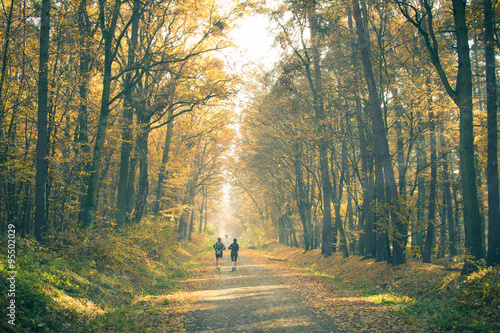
x,y
375,132
134,132
112,111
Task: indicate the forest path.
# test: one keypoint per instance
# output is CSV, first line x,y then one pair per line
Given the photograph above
x,y
254,298
265,295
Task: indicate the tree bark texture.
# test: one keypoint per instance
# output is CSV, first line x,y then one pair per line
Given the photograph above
x,y
143,187
381,217
42,140
127,120
493,256
417,240
452,246
162,173
429,239
368,189
302,199
472,217
5,59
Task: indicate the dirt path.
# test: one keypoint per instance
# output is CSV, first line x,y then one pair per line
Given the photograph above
x,y
254,298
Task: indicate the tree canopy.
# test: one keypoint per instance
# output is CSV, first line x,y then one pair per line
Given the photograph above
x,y
369,136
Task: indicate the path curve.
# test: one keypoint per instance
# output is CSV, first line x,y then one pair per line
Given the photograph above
x,y
252,299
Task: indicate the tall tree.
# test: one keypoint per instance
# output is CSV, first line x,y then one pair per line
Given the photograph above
x,y
493,256
302,198
164,161
128,115
5,60
421,16
381,143
42,140
111,46
447,204
310,58
316,84
429,240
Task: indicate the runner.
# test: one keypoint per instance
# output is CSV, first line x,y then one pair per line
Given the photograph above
x,y
218,247
234,247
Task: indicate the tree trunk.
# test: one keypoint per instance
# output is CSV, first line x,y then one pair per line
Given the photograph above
x,y
417,240
83,148
381,229
126,150
337,200
493,256
457,210
5,59
164,160
477,95
201,210
89,205
452,246
368,193
143,188
350,217
343,246
317,91
429,240
182,227
128,117
472,216
381,144
190,195
344,179
293,241
84,66
442,244
191,225
42,140
303,203
127,137
205,220
367,239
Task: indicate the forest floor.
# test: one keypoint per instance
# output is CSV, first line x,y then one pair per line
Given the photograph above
x,y
143,280
289,290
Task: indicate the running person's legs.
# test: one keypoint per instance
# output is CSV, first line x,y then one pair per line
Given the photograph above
x,y
234,257
217,256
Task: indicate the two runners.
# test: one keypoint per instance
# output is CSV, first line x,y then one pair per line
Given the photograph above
x,y
219,247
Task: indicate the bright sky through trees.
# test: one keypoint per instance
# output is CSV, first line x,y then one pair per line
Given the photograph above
x,y
254,50
255,45
254,53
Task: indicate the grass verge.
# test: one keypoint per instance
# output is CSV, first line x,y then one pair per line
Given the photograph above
x,y
98,281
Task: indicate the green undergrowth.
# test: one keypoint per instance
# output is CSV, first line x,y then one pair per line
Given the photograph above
x,y
94,280
432,296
